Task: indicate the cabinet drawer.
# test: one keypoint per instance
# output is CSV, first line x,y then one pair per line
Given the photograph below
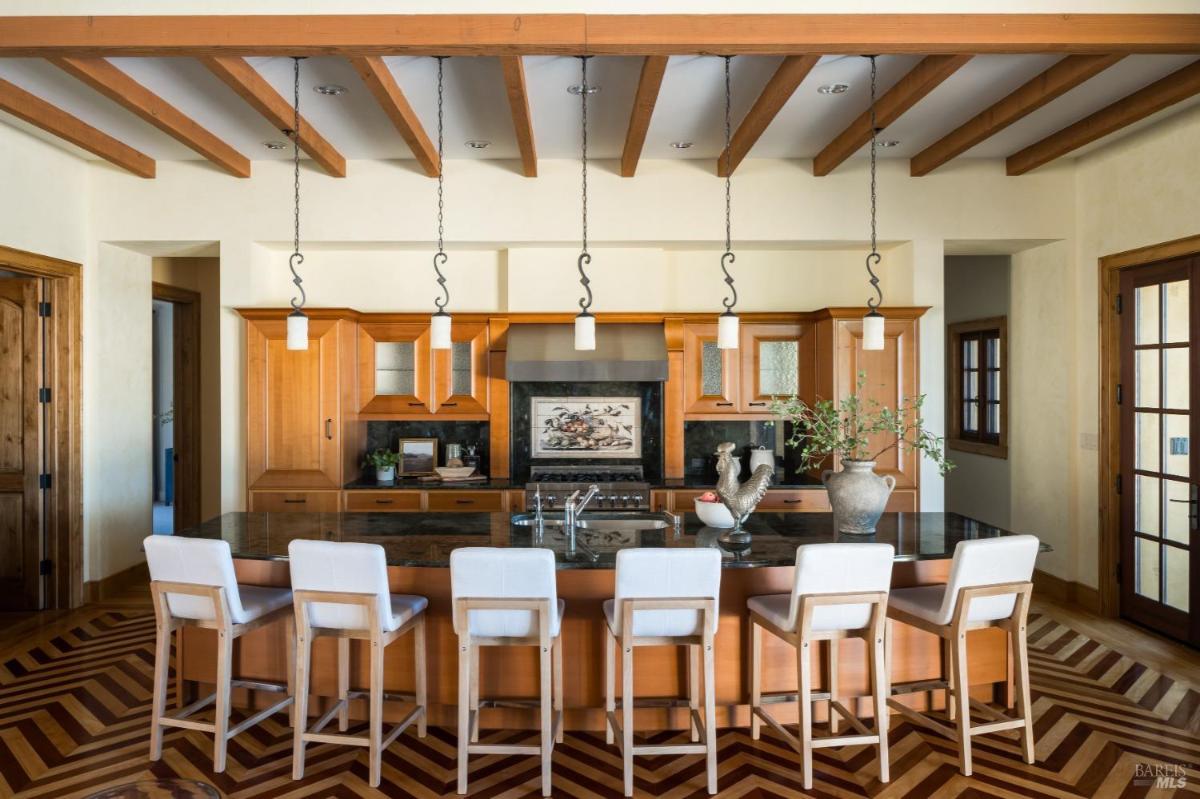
x,y
465,500
802,499
902,502
378,500
294,501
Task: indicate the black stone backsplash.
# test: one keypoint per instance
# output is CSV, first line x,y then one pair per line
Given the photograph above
x,y
700,440
652,423
384,435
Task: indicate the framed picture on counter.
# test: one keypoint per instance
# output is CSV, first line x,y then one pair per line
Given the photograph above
x,y
417,456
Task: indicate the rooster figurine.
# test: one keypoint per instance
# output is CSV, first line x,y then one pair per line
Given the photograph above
x,y
740,498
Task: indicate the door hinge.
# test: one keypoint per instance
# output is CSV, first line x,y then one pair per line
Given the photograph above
x,y
1120,304
45,567
1119,393
43,395
43,309
43,481
1118,484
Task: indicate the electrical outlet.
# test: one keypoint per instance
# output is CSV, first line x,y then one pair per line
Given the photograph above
x,y
1089,441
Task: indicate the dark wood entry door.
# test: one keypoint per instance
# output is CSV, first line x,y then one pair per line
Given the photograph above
x,y
20,445
1160,334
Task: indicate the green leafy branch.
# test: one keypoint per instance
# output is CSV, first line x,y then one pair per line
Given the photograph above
x,y
846,428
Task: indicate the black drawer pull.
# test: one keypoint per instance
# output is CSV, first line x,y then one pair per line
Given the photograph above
x,y
793,501
757,404
724,404
449,404
464,501
295,501
415,404
384,501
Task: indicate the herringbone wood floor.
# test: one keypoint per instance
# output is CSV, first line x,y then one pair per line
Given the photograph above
x,y
75,698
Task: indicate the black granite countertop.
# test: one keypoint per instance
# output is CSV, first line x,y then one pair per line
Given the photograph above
x,y
426,539
414,484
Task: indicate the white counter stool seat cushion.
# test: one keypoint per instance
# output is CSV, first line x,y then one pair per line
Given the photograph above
x,y
688,583
193,583
507,597
839,590
341,589
990,585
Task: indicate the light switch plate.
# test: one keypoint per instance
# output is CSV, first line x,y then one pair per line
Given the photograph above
x,y
1089,441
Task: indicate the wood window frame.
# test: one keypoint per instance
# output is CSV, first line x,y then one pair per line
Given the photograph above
x,y
997,448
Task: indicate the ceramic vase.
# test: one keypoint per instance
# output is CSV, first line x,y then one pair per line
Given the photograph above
x,y
857,495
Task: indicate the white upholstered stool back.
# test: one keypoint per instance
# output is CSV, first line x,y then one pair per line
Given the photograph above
x,y
196,561
495,573
661,573
341,567
988,561
840,569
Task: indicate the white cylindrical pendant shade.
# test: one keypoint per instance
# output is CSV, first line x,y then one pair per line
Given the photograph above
x,y
585,332
873,331
439,332
297,331
727,332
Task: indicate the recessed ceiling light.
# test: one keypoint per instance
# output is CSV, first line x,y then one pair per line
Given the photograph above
x,y
681,145
330,89
274,145
478,144
833,88
578,89
887,143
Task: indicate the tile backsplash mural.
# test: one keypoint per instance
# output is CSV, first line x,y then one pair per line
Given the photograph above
x,y
589,427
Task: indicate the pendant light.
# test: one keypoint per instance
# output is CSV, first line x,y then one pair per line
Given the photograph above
x,y
585,322
727,323
873,321
297,321
439,323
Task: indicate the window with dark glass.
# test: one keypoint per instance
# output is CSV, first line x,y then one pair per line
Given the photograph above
x,y
977,383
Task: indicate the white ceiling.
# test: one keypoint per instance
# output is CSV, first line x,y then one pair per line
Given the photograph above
x,y
690,105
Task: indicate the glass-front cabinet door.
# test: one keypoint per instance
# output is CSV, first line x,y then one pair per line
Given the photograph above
x,y
393,368
773,359
460,373
710,374
1160,570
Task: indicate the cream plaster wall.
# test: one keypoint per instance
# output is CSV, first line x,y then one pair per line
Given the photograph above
x,y
43,197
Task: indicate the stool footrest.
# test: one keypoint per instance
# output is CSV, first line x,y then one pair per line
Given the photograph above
x,y
259,716
187,724
669,749
918,686
817,743
256,685
503,749
792,696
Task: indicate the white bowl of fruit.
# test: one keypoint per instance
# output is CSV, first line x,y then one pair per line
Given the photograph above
x,y
712,510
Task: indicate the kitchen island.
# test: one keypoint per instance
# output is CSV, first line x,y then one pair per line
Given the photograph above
x,y
418,547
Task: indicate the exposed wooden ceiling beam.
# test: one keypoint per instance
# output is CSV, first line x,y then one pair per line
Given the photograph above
x,y
518,101
775,94
379,79
649,82
52,119
237,74
1054,82
117,86
924,78
600,34
1174,88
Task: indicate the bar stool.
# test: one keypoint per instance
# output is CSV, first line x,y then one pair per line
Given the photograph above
x,y
664,597
840,591
506,597
990,586
340,590
192,584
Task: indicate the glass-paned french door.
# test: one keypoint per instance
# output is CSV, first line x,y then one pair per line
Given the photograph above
x,y
1160,331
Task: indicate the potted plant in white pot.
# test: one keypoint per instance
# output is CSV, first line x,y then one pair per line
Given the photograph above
x,y
383,461
846,429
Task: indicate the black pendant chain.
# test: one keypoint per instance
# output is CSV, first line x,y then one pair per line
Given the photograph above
x,y
585,302
874,257
728,257
440,258
296,258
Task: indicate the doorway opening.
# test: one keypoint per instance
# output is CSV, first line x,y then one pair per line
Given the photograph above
x,y
175,387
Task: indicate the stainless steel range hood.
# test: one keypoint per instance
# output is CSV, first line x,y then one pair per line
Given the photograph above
x,y
546,353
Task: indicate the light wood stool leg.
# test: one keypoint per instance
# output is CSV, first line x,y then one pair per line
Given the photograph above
x,y
710,717
948,672
464,708
290,632
545,709
419,678
343,682
300,719
559,692
755,679
223,687
962,699
610,683
804,699
833,685
693,672
162,664
627,712
879,694
476,676
375,721
1020,649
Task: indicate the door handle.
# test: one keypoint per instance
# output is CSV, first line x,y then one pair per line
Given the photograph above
x,y
1193,501
329,429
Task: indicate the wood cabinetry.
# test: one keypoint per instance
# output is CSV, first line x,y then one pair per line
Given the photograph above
x,y
442,499
773,359
460,374
777,500
297,404
294,501
710,374
394,368
383,500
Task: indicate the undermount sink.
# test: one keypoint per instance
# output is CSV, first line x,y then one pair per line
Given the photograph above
x,y
529,520
620,525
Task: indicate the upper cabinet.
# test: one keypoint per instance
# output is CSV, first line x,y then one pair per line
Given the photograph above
x,y
297,403
772,360
710,374
400,375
